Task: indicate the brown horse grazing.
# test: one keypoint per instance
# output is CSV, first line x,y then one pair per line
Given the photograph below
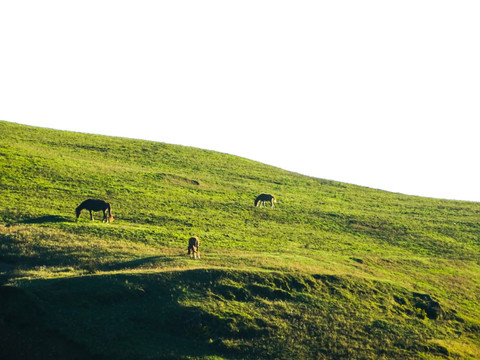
x,y
260,200
96,205
193,244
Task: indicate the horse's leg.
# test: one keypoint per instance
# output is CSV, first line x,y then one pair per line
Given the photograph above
x,y
104,216
91,215
271,202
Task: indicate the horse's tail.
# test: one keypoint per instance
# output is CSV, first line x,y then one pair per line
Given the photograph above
x,y
110,215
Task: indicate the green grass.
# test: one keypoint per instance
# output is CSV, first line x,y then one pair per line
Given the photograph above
x,y
334,271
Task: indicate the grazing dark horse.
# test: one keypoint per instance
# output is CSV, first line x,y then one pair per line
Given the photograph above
x,y
96,205
260,200
193,244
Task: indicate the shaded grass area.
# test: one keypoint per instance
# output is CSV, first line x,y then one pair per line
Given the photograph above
x,y
235,314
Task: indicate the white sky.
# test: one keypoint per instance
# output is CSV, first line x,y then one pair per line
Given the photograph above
x,y
380,93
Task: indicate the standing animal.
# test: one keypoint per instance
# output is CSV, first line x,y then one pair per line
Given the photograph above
x,y
96,205
260,200
193,244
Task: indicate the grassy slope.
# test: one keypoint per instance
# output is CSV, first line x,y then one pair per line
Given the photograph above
x,y
335,271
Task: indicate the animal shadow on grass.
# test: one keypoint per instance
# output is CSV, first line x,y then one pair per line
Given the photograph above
x,y
147,262
45,219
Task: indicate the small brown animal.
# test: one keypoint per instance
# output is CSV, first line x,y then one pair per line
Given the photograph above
x,y
193,244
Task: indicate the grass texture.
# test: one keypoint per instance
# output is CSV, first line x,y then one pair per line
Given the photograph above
x,y
334,271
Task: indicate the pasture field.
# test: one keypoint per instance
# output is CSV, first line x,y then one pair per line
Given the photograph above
x,y
334,271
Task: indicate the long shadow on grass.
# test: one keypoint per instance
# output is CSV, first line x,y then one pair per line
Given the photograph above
x,y
45,219
147,262
18,254
30,254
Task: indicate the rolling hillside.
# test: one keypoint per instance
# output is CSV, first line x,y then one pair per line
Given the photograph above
x,y
334,271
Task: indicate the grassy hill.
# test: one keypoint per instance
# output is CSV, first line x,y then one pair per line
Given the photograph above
x,y
335,271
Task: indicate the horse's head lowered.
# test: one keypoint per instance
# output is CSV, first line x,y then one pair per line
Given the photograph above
x,y
78,210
